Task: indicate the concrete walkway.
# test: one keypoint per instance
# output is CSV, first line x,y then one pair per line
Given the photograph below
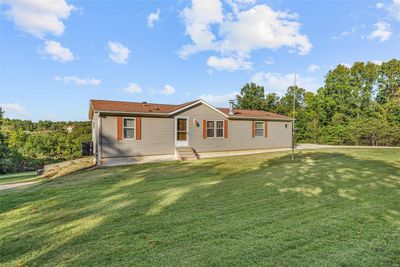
x,y
14,185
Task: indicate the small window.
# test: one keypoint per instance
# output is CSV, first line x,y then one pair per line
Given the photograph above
x,y
220,129
129,128
210,128
259,128
286,125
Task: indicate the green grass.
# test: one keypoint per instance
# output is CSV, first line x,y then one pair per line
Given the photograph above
x,y
19,177
327,208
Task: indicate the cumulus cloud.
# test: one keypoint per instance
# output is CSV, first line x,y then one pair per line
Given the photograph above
x,y
240,32
382,32
228,63
39,17
219,100
118,53
312,68
13,110
377,62
393,9
78,81
198,20
168,90
279,83
153,18
57,52
132,88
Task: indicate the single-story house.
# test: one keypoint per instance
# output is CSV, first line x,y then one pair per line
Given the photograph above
x,y
129,132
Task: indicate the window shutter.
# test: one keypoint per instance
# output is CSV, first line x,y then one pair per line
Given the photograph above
x,y
138,128
253,129
266,128
225,128
119,128
204,129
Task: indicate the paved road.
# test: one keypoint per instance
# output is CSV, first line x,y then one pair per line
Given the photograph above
x,y
8,186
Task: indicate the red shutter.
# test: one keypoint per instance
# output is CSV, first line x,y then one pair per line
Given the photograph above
x,y
204,129
119,128
266,128
138,128
225,128
253,128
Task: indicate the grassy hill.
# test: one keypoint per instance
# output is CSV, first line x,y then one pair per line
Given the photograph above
x,y
328,207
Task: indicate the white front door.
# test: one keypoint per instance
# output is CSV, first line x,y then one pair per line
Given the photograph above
x,y
181,131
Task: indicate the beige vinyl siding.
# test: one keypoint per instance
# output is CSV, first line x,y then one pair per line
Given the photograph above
x,y
158,135
157,138
240,133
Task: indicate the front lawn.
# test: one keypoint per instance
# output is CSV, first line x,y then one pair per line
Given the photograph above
x,y
328,207
19,177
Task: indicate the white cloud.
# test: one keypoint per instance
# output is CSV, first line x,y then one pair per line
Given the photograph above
x,y
132,88
118,53
39,17
77,80
241,32
377,62
379,5
168,90
198,20
14,110
269,61
153,18
347,65
312,68
394,9
57,52
382,32
228,63
278,83
219,100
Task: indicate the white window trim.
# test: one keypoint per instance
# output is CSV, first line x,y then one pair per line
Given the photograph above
x,y
215,129
255,129
123,128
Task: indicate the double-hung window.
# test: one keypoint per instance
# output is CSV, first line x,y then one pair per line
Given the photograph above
x,y
210,128
129,128
215,128
220,129
259,128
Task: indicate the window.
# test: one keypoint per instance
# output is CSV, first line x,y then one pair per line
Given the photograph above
x,y
259,128
129,128
220,129
215,128
286,125
210,128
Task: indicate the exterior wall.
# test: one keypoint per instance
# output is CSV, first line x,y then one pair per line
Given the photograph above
x,y
158,135
239,133
157,138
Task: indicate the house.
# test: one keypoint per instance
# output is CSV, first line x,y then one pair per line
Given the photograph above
x,y
129,132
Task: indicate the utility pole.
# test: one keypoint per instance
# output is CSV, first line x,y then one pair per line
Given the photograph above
x,y
294,110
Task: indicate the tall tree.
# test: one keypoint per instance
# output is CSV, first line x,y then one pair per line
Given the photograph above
x,y
251,96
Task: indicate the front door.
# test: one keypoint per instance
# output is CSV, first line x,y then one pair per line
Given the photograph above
x,y
182,132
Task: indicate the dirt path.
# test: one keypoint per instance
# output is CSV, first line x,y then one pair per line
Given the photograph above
x,y
8,186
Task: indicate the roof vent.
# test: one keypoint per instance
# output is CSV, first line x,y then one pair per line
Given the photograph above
x,y
231,106
144,103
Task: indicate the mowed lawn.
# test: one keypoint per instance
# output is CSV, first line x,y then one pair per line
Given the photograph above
x,y
328,207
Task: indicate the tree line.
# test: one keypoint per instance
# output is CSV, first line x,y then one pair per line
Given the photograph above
x,y
27,145
357,105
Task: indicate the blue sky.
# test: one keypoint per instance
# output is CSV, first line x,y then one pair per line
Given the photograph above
x,y
56,55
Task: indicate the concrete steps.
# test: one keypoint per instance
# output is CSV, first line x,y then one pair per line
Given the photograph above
x,y
186,153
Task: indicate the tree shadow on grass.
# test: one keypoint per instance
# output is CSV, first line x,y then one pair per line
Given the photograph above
x,y
154,213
